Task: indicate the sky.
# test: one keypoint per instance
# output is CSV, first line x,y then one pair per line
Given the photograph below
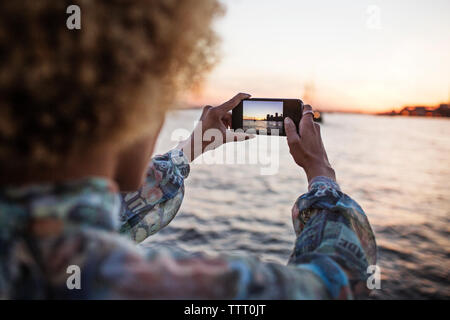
x,y
259,110
357,55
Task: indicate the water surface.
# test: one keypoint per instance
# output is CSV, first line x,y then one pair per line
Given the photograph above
x,y
397,169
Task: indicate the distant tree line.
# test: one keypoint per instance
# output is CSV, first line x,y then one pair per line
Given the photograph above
x,y
443,110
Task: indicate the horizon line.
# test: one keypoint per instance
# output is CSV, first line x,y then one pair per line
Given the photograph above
x,y
341,110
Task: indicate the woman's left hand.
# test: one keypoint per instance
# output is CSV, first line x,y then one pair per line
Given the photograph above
x,y
212,129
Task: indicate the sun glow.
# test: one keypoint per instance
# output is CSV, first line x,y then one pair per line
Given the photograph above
x,y
333,55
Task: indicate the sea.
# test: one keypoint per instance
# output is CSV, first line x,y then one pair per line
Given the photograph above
x,y
396,168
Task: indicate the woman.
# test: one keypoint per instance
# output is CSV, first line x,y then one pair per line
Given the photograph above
x,y
80,113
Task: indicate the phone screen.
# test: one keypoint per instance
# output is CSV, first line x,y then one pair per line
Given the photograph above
x,y
263,116
266,116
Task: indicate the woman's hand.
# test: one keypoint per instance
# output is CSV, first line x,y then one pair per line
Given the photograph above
x,y
212,129
307,148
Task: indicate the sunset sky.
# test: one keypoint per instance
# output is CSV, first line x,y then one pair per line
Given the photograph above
x,y
258,110
351,55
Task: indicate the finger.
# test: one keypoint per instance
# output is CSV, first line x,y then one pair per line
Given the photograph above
x,y
236,136
204,112
317,127
227,118
307,122
307,112
291,131
233,102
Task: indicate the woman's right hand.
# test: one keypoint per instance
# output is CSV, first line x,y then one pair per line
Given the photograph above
x,y
307,148
216,120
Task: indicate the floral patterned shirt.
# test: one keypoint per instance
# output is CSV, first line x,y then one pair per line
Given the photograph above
x,y
46,230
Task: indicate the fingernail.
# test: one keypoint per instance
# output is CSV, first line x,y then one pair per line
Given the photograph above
x,y
287,120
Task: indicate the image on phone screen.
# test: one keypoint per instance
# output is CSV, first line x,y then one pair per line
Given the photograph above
x,y
263,116
266,116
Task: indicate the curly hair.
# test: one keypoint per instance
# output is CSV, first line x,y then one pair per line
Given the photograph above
x,y
64,91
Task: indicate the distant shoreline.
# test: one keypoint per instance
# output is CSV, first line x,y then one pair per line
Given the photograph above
x,y
440,111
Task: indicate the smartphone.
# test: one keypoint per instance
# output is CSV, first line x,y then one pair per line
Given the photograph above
x,y
266,116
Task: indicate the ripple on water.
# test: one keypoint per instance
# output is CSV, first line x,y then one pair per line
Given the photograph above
x,y
396,168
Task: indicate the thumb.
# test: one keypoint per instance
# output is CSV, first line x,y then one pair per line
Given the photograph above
x,y
291,131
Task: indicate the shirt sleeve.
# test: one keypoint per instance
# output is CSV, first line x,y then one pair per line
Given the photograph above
x,y
334,246
334,239
152,207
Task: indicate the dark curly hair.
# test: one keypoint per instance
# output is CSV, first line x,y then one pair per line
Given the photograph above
x,y
63,91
